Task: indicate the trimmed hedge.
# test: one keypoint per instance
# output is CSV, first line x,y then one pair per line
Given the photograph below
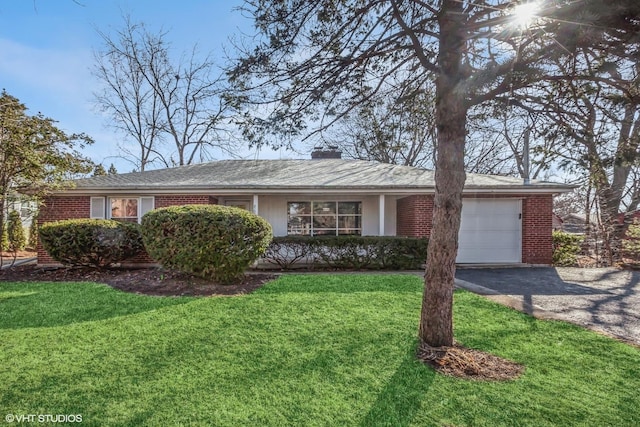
x,y
91,242
348,252
212,241
566,247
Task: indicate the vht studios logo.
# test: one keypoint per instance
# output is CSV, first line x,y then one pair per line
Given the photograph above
x,y
43,418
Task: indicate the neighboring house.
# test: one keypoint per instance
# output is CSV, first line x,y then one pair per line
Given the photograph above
x,y
576,223
26,206
557,222
503,220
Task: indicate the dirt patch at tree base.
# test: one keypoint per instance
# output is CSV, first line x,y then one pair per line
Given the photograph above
x,y
145,281
461,362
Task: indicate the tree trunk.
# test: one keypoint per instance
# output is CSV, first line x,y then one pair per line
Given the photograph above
x,y
436,318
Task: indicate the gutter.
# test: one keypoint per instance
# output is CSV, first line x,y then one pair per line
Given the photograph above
x,y
528,189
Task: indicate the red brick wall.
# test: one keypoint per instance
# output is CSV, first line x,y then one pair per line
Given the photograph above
x,y
414,216
537,226
414,219
57,208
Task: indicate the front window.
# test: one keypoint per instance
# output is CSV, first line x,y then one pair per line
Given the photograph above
x,y
125,209
322,218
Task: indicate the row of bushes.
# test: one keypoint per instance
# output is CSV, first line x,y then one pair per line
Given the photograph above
x,y
219,242
347,252
211,241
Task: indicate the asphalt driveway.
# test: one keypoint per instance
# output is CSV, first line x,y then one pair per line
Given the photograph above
x,y
603,299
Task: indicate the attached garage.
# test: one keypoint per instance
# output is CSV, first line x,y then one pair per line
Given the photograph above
x,y
490,231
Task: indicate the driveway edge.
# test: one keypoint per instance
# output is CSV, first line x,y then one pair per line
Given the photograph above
x,y
508,301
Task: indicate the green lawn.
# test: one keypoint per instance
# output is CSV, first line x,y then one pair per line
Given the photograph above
x,y
305,350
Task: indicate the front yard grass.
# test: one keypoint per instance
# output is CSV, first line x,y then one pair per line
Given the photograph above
x,y
304,350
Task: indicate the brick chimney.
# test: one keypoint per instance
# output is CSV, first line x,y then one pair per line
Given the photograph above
x,y
331,152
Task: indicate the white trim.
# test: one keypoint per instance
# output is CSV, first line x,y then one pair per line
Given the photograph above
x,y
140,204
381,200
298,191
142,209
255,204
102,209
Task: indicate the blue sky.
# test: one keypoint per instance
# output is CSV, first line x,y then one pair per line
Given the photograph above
x,y
46,51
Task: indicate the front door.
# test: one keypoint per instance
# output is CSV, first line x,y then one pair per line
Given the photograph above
x,y
243,204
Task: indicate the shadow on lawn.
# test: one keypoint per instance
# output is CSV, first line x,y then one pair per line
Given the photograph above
x,y
343,283
49,304
403,395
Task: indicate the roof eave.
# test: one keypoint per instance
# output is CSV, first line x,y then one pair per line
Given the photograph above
x,y
512,189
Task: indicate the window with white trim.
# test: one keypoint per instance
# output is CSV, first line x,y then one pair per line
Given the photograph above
x,y
129,209
124,209
324,218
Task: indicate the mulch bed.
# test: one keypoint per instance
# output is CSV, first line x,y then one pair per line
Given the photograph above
x,y
147,281
457,361
461,362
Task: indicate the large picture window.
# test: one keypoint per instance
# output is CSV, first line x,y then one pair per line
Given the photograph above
x,y
322,218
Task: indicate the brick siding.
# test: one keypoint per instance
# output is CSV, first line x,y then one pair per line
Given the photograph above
x,y
537,226
414,216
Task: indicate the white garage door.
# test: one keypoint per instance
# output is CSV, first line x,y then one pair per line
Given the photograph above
x,y
491,231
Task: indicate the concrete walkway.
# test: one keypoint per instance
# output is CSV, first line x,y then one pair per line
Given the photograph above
x,y
7,262
603,299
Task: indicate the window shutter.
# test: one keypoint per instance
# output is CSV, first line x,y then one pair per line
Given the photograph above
x,y
146,204
98,207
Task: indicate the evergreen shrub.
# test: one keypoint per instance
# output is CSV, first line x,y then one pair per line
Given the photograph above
x,y
15,232
211,241
91,242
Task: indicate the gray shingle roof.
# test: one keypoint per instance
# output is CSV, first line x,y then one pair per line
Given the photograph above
x,y
294,175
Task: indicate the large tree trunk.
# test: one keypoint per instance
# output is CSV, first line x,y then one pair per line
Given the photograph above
x,y
436,319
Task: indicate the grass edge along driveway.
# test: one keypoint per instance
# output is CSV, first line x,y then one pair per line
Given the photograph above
x,y
312,350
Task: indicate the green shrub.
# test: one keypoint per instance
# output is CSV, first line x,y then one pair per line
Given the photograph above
x,y
566,247
4,240
631,243
15,232
287,251
348,252
212,241
91,242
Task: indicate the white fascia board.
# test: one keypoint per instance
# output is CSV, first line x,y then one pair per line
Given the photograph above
x,y
302,190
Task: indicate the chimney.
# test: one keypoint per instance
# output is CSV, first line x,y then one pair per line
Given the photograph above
x,y
331,152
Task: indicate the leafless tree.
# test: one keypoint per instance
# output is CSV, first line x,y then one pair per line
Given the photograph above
x,y
390,128
593,125
172,111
